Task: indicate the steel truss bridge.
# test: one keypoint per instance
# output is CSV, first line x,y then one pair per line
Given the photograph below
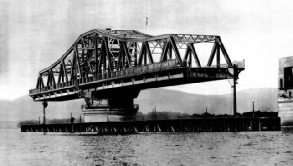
x,y
108,68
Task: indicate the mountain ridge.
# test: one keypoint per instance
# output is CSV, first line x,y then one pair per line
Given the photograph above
x,y
24,108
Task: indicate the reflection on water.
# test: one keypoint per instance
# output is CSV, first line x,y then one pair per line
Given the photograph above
x,y
242,148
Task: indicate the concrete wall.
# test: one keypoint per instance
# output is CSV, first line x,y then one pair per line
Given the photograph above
x,y
285,109
285,95
103,115
102,118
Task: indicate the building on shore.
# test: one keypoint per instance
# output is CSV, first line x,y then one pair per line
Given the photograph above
x,y
285,93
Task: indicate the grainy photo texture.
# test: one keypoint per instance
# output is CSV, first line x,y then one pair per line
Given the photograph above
x,y
146,82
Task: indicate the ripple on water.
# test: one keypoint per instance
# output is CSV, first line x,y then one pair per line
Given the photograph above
x,y
244,148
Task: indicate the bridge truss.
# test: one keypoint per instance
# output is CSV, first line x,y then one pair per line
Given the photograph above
x,y
116,64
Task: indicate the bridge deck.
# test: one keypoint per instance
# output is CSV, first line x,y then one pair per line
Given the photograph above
x,y
142,77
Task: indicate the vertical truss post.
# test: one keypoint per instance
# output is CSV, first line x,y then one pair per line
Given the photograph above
x,y
101,58
60,76
73,66
82,67
170,53
187,54
78,63
42,82
145,52
142,54
190,61
102,64
96,54
212,55
123,56
218,56
103,54
135,53
118,67
175,49
126,54
48,79
148,52
107,55
221,45
53,78
194,55
64,69
164,52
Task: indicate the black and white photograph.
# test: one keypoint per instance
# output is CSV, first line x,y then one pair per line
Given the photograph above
x,y
146,82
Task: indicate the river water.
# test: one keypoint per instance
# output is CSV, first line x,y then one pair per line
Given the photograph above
x,y
222,148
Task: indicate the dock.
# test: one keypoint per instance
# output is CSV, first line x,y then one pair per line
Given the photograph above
x,y
230,124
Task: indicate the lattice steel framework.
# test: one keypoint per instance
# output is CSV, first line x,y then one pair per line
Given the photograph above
x,y
102,52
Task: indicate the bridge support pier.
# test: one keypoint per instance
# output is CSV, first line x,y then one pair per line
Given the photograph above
x,y
45,104
105,107
234,109
233,87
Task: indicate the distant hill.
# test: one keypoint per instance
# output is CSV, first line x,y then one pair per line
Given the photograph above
x,y
265,99
176,101
24,108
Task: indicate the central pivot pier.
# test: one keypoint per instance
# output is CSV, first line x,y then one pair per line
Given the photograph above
x,y
116,105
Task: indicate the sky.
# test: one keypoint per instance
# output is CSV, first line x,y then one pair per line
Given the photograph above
x,y
34,34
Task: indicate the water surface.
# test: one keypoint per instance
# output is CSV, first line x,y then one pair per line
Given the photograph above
x,y
222,148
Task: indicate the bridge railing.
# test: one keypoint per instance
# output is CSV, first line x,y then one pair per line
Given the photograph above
x,y
169,64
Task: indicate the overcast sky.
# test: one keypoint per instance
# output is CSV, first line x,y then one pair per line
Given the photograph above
x,y
34,34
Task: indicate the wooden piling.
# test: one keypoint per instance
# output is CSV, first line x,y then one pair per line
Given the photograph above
x,y
182,125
